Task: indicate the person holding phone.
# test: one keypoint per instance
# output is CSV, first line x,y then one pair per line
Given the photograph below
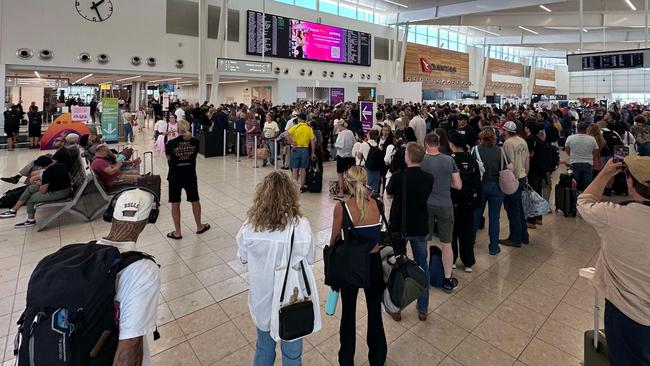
x,y
622,272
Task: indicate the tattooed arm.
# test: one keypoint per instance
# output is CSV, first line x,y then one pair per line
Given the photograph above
x,y
129,352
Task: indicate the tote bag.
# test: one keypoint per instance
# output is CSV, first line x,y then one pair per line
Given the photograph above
x,y
507,180
534,204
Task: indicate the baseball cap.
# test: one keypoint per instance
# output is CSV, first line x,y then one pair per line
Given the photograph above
x,y
134,205
457,139
510,126
639,168
72,137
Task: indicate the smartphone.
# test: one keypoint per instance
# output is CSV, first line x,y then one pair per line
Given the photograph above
x,y
620,152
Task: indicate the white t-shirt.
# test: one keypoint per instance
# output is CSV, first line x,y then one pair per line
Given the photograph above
x,y
344,144
420,128
581,148
137,289
160,126
270,130
355,151
290,123
180,114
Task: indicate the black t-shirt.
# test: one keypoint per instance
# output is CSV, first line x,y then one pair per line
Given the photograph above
x,y
64,157
418,189
182,158
57,177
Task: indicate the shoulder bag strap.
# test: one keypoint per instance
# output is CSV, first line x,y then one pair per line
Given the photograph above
x,y
503,159
380,206
286,273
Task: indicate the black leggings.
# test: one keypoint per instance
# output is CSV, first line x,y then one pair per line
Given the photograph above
x,y
463,239
377,348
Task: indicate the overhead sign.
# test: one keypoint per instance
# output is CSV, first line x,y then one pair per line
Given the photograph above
x,y
80,113
367,111
110,112
427,67
37,82
627,59
337,95
105,86
243,66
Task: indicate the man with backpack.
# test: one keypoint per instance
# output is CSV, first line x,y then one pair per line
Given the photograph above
x,y
465,201
93,303
373,159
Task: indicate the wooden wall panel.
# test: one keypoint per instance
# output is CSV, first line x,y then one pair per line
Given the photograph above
x,y
502,67
544,74
437,79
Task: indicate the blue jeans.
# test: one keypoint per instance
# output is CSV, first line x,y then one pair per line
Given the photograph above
x,y
128,132
627,340
420,249
265,351
493,197
272,154
644,149
373,180
583,174
516,216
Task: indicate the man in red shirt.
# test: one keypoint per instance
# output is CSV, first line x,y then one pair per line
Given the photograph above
x,y
109,171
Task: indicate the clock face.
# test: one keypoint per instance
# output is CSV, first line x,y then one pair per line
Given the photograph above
x,y
94,10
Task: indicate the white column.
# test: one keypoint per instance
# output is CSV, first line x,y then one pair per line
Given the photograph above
x,y
221,46
203,34
399,69
2,90
484,74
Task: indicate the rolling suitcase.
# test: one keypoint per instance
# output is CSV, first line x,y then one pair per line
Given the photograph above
x,y
314,179
149,180
566,200
595,342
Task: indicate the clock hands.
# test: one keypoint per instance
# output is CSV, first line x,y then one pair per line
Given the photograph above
x,y
99,15
94,7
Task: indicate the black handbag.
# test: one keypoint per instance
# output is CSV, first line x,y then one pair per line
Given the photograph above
x,y
297,319
347,262
391,239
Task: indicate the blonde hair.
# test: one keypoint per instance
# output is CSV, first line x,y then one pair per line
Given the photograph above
x,y
356,182
184,129
594,130
276,203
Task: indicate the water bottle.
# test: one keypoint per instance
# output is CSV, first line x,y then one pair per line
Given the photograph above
x,y
332,299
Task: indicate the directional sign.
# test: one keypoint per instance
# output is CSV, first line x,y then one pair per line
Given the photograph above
x,y
243,66
110,119
80,113
367,115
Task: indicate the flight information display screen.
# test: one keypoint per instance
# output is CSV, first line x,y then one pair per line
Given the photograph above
x,y
297,39
612,61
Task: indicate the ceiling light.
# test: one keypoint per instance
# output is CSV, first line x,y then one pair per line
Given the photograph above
x,y
184,82
402,5
527,30
483,30
233,81
542,49
37,75
129,78
155,81
545,8
629,3
87,76
585,30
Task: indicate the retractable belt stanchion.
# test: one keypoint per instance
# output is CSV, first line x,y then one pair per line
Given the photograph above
x,y
275,154
224,144
238,147
255,152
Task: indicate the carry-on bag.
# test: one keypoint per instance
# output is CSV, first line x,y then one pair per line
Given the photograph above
x,y
314,179
595,342
566,200
149,180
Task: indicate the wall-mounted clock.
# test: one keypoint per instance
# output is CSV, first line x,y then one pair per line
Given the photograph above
x,y
94,10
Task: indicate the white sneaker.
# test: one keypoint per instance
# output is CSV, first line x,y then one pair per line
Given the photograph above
x,y
468,269
7,214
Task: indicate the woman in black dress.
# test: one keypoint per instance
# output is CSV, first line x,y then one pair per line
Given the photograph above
x,y
34,127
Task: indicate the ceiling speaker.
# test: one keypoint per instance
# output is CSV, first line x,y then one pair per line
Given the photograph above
x,y
84,57
151,61
45,55
103,58
136,61
24,53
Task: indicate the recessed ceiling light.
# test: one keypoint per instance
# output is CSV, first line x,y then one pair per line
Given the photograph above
x,y
483,30
527,30
170,79
37,75
543,49
585,30
85,77
129,78
396,3
545,8
629,3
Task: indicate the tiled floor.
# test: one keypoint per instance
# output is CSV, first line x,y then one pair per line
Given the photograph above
x,y
524,307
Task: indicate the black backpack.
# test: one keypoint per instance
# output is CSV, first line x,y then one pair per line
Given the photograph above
x,y
375,160
314,178
70,318
552,134
470,195
549,158
398,163
611,139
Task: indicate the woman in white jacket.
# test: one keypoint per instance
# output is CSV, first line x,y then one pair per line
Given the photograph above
x,y
263,243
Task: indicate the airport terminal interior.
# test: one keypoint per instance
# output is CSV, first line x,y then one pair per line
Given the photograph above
x,y
138,89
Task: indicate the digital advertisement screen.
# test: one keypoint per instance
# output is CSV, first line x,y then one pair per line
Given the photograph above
x,y
297,39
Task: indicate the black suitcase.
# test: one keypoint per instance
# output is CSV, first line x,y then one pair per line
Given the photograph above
x,y
595,343
566,200
314,178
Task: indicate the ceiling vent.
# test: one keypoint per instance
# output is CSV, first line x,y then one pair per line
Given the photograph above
x,y
45,55
136,61
103,58
84,57
180,64
151,61
24,53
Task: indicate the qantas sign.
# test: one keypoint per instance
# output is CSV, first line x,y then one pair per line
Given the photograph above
x,y
427,67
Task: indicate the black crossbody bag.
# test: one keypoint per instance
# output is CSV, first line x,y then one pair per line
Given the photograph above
x,y
297,319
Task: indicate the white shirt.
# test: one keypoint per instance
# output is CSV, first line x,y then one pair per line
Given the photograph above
x,y
100,106
420,128
355,152
581,148
270,129
137,289
388,158
160,126
290,123
180,114
364,149
344,143
266,254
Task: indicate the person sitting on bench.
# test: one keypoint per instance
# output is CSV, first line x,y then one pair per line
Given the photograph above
x,y
54,185
109,171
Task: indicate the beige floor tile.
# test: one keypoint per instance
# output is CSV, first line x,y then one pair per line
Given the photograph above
x,y
176,355
180,287
190,303
440,332
164,314
315,358
474,351
246,326
573,317
170,335
563,337
520,316
534,299
205,261
215,274
461,313
227,288
202,320
449,362
330,348
236,305
214,345
539,353
411,350
243,356
503,336
174,271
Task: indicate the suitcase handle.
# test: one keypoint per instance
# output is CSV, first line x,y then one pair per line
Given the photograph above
x,y
144,161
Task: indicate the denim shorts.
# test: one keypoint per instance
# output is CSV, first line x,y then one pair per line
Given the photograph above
x,y
299,158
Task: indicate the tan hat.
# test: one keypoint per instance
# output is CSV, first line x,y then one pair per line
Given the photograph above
x,y
639,168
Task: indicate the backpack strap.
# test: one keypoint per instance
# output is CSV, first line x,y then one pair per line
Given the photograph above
x,y
131,257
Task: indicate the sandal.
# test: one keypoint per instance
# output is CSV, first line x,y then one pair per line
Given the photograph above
x,y
205,228
172,236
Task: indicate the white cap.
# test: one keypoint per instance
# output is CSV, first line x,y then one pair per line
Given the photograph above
x,y
133,205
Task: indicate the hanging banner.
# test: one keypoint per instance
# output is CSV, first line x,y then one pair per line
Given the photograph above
x,y
80,113
110,119
337,95
367,110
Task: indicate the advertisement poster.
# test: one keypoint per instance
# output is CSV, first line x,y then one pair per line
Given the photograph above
x,y
337,95
367,115
80,113
110,113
